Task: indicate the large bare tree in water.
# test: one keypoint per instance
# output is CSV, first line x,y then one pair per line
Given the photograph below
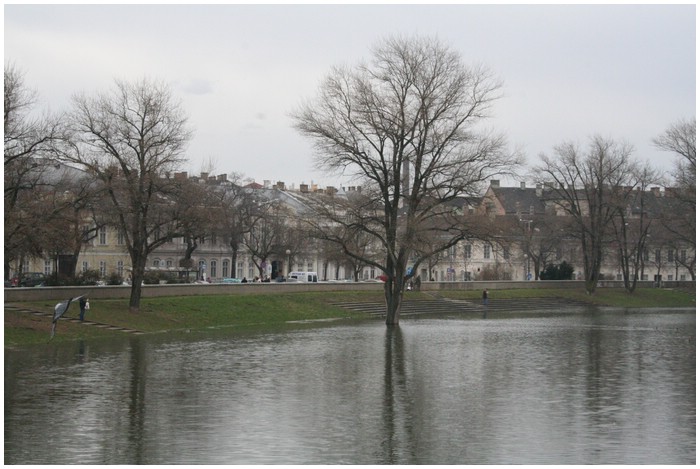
x,y
131,139
406,126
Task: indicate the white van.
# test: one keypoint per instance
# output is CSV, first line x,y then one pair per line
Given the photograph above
x,y
302,277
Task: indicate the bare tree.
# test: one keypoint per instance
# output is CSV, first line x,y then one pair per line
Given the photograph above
x,y
680,219
588,186
406,126
131,139
266,233
632,223
680,139
240,210
198,213
29,150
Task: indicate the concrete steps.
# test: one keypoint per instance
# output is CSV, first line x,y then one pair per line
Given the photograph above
x,y
110,327
433,304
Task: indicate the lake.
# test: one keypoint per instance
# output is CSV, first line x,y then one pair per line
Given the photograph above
x,y
594,387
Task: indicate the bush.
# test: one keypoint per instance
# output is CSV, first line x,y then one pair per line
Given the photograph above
x,y
494,272
563,271
60,280
114,279
89,277
151,278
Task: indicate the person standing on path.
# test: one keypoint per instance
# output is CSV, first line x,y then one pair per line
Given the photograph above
x,y
485,297
83,306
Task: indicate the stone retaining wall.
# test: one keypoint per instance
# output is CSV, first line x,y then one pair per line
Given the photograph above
x,y
149,291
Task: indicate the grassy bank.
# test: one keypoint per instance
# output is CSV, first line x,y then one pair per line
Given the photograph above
x,y
268,311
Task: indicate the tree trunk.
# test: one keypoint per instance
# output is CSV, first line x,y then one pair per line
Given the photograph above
x,y
393,292
137,275
393,295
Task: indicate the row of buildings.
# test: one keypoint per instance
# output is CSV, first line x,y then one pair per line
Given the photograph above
x,y
518,252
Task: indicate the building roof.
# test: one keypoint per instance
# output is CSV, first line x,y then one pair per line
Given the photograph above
x,y
516,200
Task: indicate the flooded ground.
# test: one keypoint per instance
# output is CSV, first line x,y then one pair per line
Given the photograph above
x,y
590,388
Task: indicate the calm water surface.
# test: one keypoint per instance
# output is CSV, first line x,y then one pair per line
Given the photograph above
x,y
598,387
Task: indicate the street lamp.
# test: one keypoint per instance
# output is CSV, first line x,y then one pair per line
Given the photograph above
x,y
528,241
289,260
527,258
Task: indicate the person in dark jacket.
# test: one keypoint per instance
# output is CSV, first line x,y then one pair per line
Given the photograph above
x,y
83,307
485,297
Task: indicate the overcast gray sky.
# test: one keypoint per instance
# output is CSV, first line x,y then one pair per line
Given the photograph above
x,y
626,72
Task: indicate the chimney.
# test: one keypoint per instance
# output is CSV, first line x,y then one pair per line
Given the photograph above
x,y
221,178
495,183
538,190
656,191
522,185
182,176
280,185
204,176
304,188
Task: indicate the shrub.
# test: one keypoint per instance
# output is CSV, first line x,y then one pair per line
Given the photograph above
x,y
151,278
114,279
494,272
89,277
563,271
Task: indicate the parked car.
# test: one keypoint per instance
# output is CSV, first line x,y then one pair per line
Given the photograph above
x,y
32,279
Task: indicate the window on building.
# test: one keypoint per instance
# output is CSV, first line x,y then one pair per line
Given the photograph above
x,y
224,268
86,233
645,277
120,238
646,255
156,262
239,269
251,266
684,253
85,266
467,251
103,269
310,267
487,251
670,255
657,256
213,269
103,235
169,263
506,253
669,277
452,251
682,276
47,267
120,268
